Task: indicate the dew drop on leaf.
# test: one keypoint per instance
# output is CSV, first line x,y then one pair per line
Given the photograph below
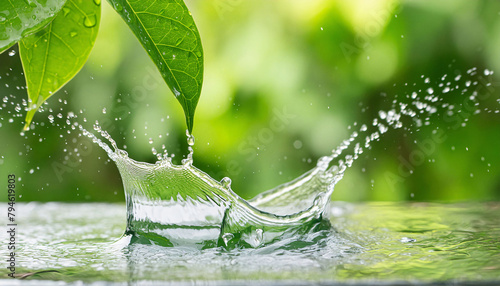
x,y
90,21
118,7
97,2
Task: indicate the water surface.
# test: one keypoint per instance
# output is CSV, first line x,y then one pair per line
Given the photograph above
x,y
372,242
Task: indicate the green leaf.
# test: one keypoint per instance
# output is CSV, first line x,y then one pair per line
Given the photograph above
x,y
54,55
167,31
19,18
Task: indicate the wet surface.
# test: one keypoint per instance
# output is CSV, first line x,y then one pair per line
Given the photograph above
x,y
370,243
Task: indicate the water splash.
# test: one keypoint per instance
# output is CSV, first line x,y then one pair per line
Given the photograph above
x,y
169,204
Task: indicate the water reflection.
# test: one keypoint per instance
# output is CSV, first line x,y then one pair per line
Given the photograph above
x,y
368,242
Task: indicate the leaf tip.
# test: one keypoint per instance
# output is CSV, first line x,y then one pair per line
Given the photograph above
x,y
26,126
29,118
189,114
189,123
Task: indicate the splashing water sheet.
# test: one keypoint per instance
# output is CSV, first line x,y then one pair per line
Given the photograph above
x,y
179,205
182,225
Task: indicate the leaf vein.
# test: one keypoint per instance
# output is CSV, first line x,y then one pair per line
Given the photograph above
x,y
44,67
67,46
155,45
175,47
165,17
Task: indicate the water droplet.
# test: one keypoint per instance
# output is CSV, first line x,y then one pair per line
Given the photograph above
x,y
90,21
259,236
66,11
226,237
176,92
73,34
190,139
179,41
226,182
198,53
104,110
32,171
118,7
97,2
150,141
382,128
407,239
297,144
12,53
319,201
382,114
51,118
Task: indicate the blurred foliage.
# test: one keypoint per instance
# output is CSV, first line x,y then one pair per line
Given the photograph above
x,y
324,64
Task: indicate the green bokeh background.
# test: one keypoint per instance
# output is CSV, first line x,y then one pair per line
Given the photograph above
x,y
326,63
